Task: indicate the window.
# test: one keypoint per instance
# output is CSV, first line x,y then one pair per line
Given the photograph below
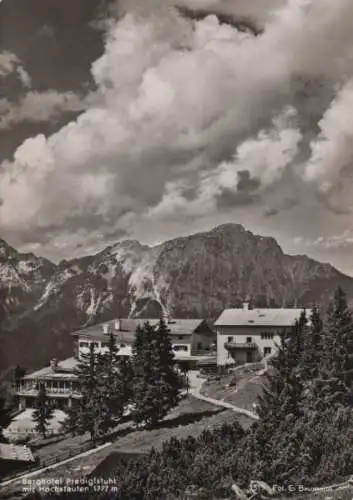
x,y
105,344
267,351
180,337
230,339
180,348
199,346
267,336
83,344
248,340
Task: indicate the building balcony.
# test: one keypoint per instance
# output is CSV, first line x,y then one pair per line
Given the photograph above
x,y
240,345
50,392
204,352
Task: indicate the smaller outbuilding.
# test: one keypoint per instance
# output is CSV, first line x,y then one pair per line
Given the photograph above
x,y
22,426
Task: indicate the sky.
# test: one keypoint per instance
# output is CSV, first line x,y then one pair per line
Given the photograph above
x,y
173,125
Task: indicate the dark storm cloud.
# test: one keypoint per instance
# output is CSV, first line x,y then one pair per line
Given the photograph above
x,y
246,183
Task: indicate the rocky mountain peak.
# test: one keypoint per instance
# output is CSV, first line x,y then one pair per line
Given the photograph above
x,y
194,276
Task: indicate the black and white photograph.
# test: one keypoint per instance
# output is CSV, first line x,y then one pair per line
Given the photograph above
x,y
176,249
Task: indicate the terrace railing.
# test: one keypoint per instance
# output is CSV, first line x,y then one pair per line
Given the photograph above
x,y
23,391
204,352
240,345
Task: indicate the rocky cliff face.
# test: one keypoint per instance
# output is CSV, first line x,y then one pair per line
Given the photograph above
x,y
194,276
22,277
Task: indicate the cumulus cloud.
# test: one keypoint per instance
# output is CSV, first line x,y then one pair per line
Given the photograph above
x,y
258,163
189,115
9,64
336,241
39,107
331,163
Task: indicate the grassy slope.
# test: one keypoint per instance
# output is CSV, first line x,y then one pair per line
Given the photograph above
x,y
243,394
191,417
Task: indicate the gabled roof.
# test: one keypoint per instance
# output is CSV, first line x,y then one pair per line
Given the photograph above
x,y
258,317
127,328
15,453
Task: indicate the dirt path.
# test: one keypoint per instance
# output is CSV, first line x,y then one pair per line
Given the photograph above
x,y
195,389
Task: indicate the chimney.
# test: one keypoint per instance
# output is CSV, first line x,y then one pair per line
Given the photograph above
x,y
106,328
54,364
117,325
246,306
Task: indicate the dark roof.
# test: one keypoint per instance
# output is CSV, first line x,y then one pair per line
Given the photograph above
x,y
127,328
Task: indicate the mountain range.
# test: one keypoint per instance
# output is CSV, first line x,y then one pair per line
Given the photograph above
x,y
193,276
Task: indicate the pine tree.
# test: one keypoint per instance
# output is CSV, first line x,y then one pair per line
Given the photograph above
x,y
93,413
283,385
126,377
269,403
170,382
111,382
157,386
313,351
334,383
116,381
280,406
340,323
72,422
43,411
338,352
296,343
142,357
3,308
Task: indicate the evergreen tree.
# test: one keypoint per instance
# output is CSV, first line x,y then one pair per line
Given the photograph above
x,y
3,415
340,326
72,422
269,404
157,385
334,384
92,412
314,343
110,381
3,308
296,343
284,382
43,411
116,381
280,406
126,377
142,358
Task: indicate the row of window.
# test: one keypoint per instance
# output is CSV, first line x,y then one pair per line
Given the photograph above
x,y
267,336
98,345
121,346
249,340
180,348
